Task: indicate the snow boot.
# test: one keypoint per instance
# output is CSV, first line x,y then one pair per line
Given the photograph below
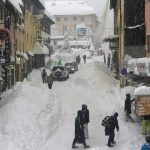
x,y
109,145
113,142
86,146
73,146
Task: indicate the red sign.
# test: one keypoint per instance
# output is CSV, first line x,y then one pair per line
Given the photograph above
x,y
4,34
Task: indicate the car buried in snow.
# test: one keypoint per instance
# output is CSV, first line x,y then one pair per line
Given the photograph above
x,y
60,72
72,67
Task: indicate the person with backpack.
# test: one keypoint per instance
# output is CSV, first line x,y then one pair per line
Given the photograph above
x,y
110,123
44,76
146,146
84,58
127,108
85,120
79,132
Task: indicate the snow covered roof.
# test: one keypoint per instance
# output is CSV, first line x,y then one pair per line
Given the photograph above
x,y
81,25
142,90
79,43
127,58
16,4
40,49
132,61
143,60
66,7
49,15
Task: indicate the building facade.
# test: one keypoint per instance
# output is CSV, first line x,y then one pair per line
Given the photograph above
x,y
147,23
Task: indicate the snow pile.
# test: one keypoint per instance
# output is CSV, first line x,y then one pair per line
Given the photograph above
x,y
29,114
68,8
142,90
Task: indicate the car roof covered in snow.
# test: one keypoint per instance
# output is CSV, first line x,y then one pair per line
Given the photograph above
x,y
142,90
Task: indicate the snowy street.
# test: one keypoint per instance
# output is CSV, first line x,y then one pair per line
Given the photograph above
x,y
35,118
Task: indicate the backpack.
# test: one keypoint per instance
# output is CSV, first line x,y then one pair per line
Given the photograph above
x,y
106,121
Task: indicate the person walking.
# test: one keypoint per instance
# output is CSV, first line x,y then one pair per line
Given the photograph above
x,y
110,129
127,108
79,132
44,76
146,146
85,120
84,58
50,81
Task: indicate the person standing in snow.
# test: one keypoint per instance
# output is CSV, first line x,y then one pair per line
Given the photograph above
x,y
84,58
146,146
110,129
79,132
50,81
44,76
127,109
108,60
104,59
85,120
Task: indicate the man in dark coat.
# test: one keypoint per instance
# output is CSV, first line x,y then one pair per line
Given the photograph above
x,y
128,103
113,123
44,76
84,58
85,120
79,132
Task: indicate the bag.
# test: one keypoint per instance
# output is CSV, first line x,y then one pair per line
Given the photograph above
x,y
105,121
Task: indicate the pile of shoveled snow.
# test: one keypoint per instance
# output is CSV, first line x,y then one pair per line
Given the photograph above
x,y
29,114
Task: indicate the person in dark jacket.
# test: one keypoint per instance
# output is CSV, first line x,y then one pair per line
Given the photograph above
x,y
50,81
78,59
44,76
85,120
111,129
84,58
127,109
146,146
79,132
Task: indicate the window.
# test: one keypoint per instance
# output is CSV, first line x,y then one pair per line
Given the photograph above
x,y
65,18
74,18
82,18
57,19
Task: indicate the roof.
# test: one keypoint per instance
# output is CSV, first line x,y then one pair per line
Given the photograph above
x,y
16,4
60,8
40,49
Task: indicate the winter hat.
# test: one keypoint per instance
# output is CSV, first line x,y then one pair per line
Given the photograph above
x,y
128,95
115,114
84,106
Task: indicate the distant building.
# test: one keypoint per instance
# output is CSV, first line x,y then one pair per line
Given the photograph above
x,y
74,18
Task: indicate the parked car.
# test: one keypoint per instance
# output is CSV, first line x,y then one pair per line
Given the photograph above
x,y
60,72
72,67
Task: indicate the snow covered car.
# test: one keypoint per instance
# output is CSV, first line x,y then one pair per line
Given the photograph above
x,y
60,72
72,67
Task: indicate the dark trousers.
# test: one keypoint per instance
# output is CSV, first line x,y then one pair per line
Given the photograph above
x,y
50,86
111,138
76,141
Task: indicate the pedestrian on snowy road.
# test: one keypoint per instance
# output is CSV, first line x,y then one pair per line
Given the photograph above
x,y
44,76
110,129
85,120
50,81
79,132
146,146
84,58
127,109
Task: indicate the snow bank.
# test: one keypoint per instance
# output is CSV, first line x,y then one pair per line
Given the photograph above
x,y
29,114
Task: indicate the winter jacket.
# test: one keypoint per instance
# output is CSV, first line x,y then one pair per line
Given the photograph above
x,y
113,123
50,80
146,147
128,105
79,132
85,116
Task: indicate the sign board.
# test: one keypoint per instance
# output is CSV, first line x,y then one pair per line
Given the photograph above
x,y
81,31
143,105
4,34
